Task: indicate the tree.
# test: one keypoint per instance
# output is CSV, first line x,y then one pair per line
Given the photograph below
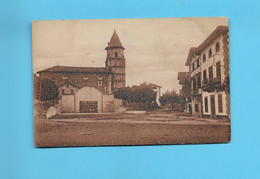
x,y
48,90
36,86
138,94
45,90
171,97
124,94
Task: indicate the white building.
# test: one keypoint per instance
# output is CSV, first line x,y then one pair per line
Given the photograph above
x,y
210,63
194,63
157,89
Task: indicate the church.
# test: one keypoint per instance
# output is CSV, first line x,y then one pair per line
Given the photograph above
x,y
90,89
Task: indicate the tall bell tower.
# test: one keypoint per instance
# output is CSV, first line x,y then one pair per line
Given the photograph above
x,y
115,62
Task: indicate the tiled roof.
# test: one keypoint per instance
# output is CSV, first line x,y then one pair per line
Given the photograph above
x,y
182,76
68,69
66,83
154,85
114,42
191,52
219,30
150,84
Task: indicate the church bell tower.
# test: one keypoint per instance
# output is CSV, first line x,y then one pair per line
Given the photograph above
x,y
115,62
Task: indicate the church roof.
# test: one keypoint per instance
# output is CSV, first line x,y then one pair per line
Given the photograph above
x,y
114,42
68,69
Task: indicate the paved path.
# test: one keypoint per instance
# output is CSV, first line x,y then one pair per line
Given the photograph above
x,y
152,118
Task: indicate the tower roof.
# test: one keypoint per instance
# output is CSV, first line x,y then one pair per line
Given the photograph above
x,y
114,42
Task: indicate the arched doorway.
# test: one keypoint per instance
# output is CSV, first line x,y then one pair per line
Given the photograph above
x,y
88,100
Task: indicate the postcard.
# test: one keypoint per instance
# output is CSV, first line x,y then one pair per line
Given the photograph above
x,y
117,82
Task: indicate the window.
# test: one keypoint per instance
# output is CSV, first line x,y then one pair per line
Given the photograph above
x,y
62,92
194,86
204,75
99,83
218,69
220,106
193,83
196,108
86,77
206,104
217,47
68,86
193,67
116,54
106,88
211,72
72,92
199,83
204,58
198,63
210,53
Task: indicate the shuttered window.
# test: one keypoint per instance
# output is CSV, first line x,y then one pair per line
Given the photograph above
x,y
206,104
220,106
196,108
210,53
204,75
199,83
217,47
218,69
204,58
211,72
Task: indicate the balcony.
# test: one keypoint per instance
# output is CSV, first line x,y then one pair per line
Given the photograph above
x,y
208,86
215,85
196,92
188,99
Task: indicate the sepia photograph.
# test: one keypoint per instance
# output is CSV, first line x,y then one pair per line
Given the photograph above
x,y
121,82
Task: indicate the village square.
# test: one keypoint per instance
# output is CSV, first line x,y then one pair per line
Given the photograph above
x,y
93,106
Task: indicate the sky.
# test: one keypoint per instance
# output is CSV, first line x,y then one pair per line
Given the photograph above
x,y
155,49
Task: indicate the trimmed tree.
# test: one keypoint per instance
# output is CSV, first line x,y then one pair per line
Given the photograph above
x,y
48,90
142,94
45,90
171,97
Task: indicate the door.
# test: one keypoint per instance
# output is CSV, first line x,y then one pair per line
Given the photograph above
x,y
88,106
67,103
212,104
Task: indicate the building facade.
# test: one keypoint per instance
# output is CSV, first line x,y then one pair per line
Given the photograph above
x,y
157,90
184,81
209,75
86,89
195,83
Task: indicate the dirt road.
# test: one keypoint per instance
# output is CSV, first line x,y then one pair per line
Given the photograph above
x,y
123,131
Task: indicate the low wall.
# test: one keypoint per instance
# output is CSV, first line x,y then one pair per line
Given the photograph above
x,y
117,103
108,103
